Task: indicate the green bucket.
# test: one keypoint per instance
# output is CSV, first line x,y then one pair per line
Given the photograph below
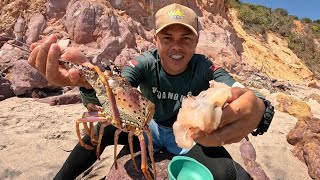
x,y
186,168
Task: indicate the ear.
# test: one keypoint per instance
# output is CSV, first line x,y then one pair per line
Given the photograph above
x,y
197,41
154,39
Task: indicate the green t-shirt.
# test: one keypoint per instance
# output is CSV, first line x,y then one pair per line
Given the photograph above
x,y
167,91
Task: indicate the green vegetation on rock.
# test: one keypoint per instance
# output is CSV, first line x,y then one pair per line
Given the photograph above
x,y
305,42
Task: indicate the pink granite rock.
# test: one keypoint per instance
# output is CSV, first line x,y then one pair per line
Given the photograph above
x,y
81,18
24,78
126,170
35,27
249,156
305,137
70,98
5,89
56,8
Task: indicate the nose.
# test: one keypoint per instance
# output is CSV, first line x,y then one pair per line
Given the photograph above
x,y
176,45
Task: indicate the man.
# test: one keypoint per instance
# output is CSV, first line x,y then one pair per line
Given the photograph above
x,y
172,68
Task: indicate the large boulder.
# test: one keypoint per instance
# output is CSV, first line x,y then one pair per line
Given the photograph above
x,y
35,27
127,171
24,78
10,54
293,106
56,8
81,21
119,34
19,28
5,89
122,58
214,41
70,97
312,157
62,99
305,137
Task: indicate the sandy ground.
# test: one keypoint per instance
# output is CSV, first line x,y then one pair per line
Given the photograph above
x,y
34,137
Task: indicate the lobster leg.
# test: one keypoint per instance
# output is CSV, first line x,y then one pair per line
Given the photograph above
x,y
84,121
130,139
92,135
92,108
116,137
89,117
85,125
144,163
103,125
88,147
150,148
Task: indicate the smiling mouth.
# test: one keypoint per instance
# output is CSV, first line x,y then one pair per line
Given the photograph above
x,y
176,56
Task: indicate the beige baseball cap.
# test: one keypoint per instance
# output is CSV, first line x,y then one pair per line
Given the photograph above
x,y
176,14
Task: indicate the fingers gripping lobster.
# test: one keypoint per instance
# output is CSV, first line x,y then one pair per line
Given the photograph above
x,y
122,106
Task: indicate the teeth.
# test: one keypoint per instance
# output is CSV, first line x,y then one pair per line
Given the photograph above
x,y
176,56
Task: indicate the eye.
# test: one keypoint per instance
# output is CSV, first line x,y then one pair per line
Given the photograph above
x,y
187,38
166,37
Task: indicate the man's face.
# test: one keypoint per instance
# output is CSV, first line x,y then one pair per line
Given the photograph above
x,y
176,45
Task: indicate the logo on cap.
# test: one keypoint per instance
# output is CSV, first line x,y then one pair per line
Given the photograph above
x,y
175,14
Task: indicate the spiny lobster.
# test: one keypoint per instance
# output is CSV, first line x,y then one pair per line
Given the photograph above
x,y
122,106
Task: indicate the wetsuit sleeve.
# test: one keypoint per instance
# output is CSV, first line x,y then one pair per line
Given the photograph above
x,y
221,75
88,96
258,94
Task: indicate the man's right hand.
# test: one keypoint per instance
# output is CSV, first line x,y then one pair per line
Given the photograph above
x,y
45,57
